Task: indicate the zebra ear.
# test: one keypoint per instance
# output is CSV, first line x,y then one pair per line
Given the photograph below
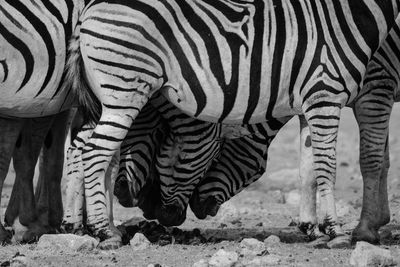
x,y
233,131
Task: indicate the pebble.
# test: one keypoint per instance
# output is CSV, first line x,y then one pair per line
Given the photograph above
x,y
252,246
272,239
292,197
200,263
366,254
67,242
139,242
264,261
223,258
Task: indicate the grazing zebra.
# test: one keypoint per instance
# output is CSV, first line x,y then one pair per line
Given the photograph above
x,y
186,151
224,61
33,40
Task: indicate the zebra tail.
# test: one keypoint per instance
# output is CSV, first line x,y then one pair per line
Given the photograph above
x,y
75,78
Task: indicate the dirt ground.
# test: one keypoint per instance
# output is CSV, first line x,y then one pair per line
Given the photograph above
x,y
257,212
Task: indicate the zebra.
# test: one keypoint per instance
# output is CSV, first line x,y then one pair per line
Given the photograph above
x,y
33,41
182,153
372,109
224,61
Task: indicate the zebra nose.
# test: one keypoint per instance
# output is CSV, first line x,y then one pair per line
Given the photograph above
x,y
172,215
203,208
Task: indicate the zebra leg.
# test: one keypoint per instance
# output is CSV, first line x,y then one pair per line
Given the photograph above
x,y
373,113
96,156
74,199
110,177
308,222
324,124
25,158
48,191
10,130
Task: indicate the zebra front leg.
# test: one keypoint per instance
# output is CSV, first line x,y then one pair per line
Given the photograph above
x,y
96,155
308,222
51,163
373,114
10,130
323,121
74,200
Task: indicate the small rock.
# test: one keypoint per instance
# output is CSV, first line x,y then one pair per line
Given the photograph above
x,y
366,254
223,258
67,242
252,246
200,263
263,261
272,239
349,227
292,197
139,242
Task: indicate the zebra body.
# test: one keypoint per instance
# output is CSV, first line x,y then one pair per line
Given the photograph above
x,y
372,109
33,38
226,61
33,41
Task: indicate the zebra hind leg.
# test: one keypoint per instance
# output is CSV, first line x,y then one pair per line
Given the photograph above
x,y
373,113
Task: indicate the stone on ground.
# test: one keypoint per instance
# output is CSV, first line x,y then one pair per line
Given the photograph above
x,y
67,242
366,254
292,197
272,239
252,246
139,242
267,260
223,258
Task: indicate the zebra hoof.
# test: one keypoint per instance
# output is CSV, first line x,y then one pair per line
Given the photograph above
x,y
113,242
171,215
363,232
343,241
34,232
